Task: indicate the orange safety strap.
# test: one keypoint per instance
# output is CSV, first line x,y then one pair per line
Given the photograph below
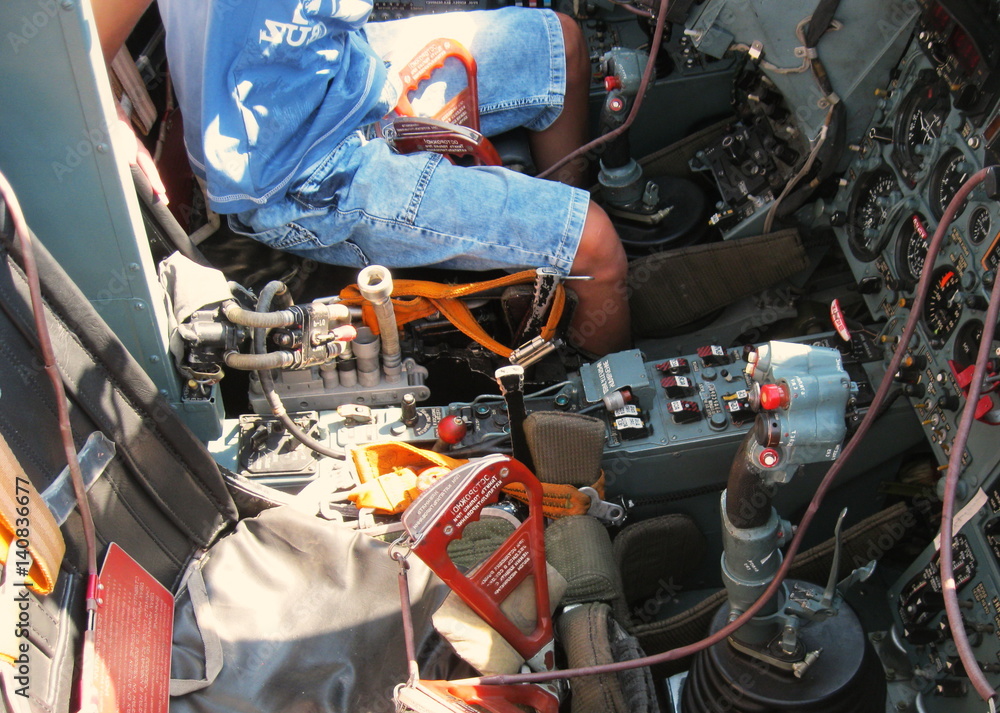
x,y
25,520
416,299
559,500
379,463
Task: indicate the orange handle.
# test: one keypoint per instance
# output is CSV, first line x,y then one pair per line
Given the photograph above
x,y
463,108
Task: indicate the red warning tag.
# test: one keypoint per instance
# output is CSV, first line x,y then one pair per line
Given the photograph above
x,y
839,323
132,637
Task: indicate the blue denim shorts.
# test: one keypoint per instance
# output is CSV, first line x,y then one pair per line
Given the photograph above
x,y
364,203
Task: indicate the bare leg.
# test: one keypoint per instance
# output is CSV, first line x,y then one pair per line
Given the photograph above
x,y
602,323
569,131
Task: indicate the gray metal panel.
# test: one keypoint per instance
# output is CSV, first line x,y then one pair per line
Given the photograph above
x,y
55,107
857,57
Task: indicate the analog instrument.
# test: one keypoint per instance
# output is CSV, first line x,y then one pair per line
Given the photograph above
x,y
874,196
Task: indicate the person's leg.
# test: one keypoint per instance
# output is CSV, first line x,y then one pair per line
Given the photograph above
x,y
602,323
569,131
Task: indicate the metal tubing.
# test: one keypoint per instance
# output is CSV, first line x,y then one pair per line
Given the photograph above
x,y
375,285
366,351
254,362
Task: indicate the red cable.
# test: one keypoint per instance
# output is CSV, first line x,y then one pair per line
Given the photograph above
x,y
793,548
976,676
647,75
65,430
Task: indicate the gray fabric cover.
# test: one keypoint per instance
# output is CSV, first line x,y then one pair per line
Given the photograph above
x,y
479,540
675,287
580,548
308,617
653,556
591,636
566,447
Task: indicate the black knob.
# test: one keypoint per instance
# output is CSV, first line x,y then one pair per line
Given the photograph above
x,y
767,430
838,219
948,401
869,285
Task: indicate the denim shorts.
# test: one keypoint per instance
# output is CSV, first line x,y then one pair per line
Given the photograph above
x,y
364,203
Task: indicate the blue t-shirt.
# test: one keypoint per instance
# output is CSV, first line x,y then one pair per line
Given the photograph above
x,y
268,88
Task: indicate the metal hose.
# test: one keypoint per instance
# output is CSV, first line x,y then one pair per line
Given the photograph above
x,y
266,320
375,285
253,362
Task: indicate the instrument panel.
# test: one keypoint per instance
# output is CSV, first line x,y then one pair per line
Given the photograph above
x,y
936,125
919,150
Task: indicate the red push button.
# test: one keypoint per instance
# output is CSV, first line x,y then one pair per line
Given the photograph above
x,y
773,396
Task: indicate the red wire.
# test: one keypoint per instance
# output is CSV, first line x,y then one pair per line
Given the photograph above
x,y
976,676
793,548
647,76
65,430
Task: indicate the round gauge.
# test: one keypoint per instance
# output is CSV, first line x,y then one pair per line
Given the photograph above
x,y
911,247
967,341
949,174
979,224
944,302
922,114
869,208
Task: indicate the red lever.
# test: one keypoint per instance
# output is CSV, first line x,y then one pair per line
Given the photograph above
x,y
463,108
439,516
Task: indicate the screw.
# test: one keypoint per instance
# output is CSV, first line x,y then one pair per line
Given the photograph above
x,y
448,529
504,472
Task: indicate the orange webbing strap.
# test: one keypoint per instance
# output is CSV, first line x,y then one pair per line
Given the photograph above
x,y
416,299
559,500
25,520
375,461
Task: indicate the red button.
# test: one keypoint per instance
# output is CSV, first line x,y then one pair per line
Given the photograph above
x,y
611,82
451,430
773,396
769,458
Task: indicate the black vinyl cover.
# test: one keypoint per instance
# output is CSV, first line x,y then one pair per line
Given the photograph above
x,y
307,617
162,497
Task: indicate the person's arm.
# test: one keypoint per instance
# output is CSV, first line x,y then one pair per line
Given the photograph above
x,y
115,21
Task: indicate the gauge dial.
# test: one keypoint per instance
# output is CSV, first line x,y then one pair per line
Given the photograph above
x,y
874,196
967,343
944,302
911,247
979,224
948,176
921,116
